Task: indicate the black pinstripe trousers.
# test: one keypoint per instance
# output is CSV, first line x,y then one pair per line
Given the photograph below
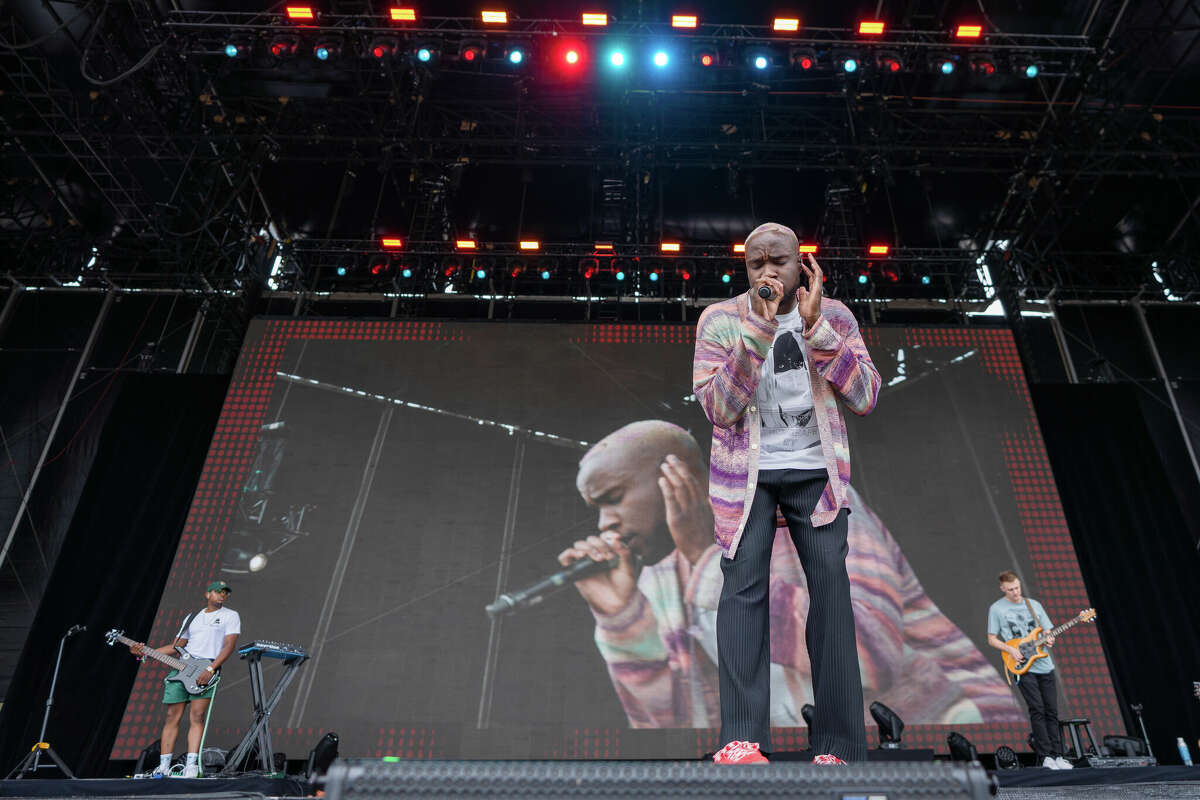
x,y
743,620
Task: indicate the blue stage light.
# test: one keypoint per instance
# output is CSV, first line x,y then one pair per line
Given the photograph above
x,y
947,67
341,271
1031,71
516,56
231,50
850,65
322,53
545,274
862,277
481,274
662,58
653,276
926,280
620,276
761,62
616,58
424,54
726,278
407,273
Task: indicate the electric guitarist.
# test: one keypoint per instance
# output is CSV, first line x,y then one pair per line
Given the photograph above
x,y
209,633
1014,616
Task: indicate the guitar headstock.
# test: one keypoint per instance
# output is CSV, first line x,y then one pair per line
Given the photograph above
x,y
111,637
1087,615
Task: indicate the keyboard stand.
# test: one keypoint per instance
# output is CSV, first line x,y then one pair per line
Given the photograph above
x,y
260,728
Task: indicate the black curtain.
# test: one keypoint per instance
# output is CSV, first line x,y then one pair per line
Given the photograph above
x,y
1139,563
112,568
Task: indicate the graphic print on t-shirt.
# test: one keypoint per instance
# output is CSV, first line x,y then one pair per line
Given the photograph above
x,y
784,398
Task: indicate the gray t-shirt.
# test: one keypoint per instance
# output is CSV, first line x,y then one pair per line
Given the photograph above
x,y
1012,621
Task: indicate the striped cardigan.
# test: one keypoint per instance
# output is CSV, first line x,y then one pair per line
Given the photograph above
x,y
731,345
661,648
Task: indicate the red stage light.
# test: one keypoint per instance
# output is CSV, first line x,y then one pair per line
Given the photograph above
x,y
870,28
470,54
878,249
806,62
572,57
890,63
969,31
706,60
589,273
300,12
391,242
687,276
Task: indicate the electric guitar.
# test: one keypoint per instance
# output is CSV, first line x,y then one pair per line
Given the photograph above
x,y
189,668
1032,645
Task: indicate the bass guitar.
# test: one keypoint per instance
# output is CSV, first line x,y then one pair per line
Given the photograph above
x,y
1033,645
189,668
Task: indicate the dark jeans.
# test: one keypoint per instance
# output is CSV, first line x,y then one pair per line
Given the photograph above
x,y
743,620
1041,696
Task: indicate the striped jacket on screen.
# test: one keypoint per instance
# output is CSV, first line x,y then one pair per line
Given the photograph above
x,y
661,648
731,345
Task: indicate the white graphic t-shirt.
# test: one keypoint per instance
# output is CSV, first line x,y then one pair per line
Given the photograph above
x,y
206,631
790,438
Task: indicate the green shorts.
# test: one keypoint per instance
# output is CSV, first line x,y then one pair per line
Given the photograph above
x,y
173,691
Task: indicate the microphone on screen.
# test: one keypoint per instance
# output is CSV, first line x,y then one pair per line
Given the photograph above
x,y
765,292
509,602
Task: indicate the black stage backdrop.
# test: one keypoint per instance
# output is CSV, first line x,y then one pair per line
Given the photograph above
x,y
1138,559
113,566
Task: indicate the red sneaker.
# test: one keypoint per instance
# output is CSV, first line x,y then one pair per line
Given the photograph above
x,y
828,759
739,753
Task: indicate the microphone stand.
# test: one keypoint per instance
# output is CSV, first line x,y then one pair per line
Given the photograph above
x,y
32,761
1137,710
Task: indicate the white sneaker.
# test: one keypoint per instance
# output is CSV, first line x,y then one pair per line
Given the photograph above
x,y
160,771
191,771
1050,763
1063,763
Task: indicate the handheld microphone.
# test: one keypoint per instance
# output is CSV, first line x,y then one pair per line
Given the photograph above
x,y
765,292
531,595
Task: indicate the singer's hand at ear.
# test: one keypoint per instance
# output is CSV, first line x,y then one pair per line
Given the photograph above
x,y
611,591
689,515
762,307
809,298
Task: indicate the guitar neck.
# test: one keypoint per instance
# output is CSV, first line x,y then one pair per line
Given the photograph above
x,y
170,661
1059,629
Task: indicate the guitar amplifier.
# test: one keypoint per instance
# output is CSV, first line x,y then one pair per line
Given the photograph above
x,y
1121,761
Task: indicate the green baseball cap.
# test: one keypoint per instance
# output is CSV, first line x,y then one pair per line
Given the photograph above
x,y
218,586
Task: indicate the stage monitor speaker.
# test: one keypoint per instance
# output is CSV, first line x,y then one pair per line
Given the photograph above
x,y
375,780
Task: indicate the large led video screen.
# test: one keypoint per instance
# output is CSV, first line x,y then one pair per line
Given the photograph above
x,y
373,486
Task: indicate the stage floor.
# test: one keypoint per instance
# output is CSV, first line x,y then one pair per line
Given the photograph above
x,y
1118,783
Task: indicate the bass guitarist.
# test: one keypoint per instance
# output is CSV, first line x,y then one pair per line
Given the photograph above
x,y
210,633
1012,617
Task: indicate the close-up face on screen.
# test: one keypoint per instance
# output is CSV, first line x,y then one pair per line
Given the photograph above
x,y
373,486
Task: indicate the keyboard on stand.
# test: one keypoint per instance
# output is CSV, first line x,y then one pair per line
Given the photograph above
x,y
268,649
